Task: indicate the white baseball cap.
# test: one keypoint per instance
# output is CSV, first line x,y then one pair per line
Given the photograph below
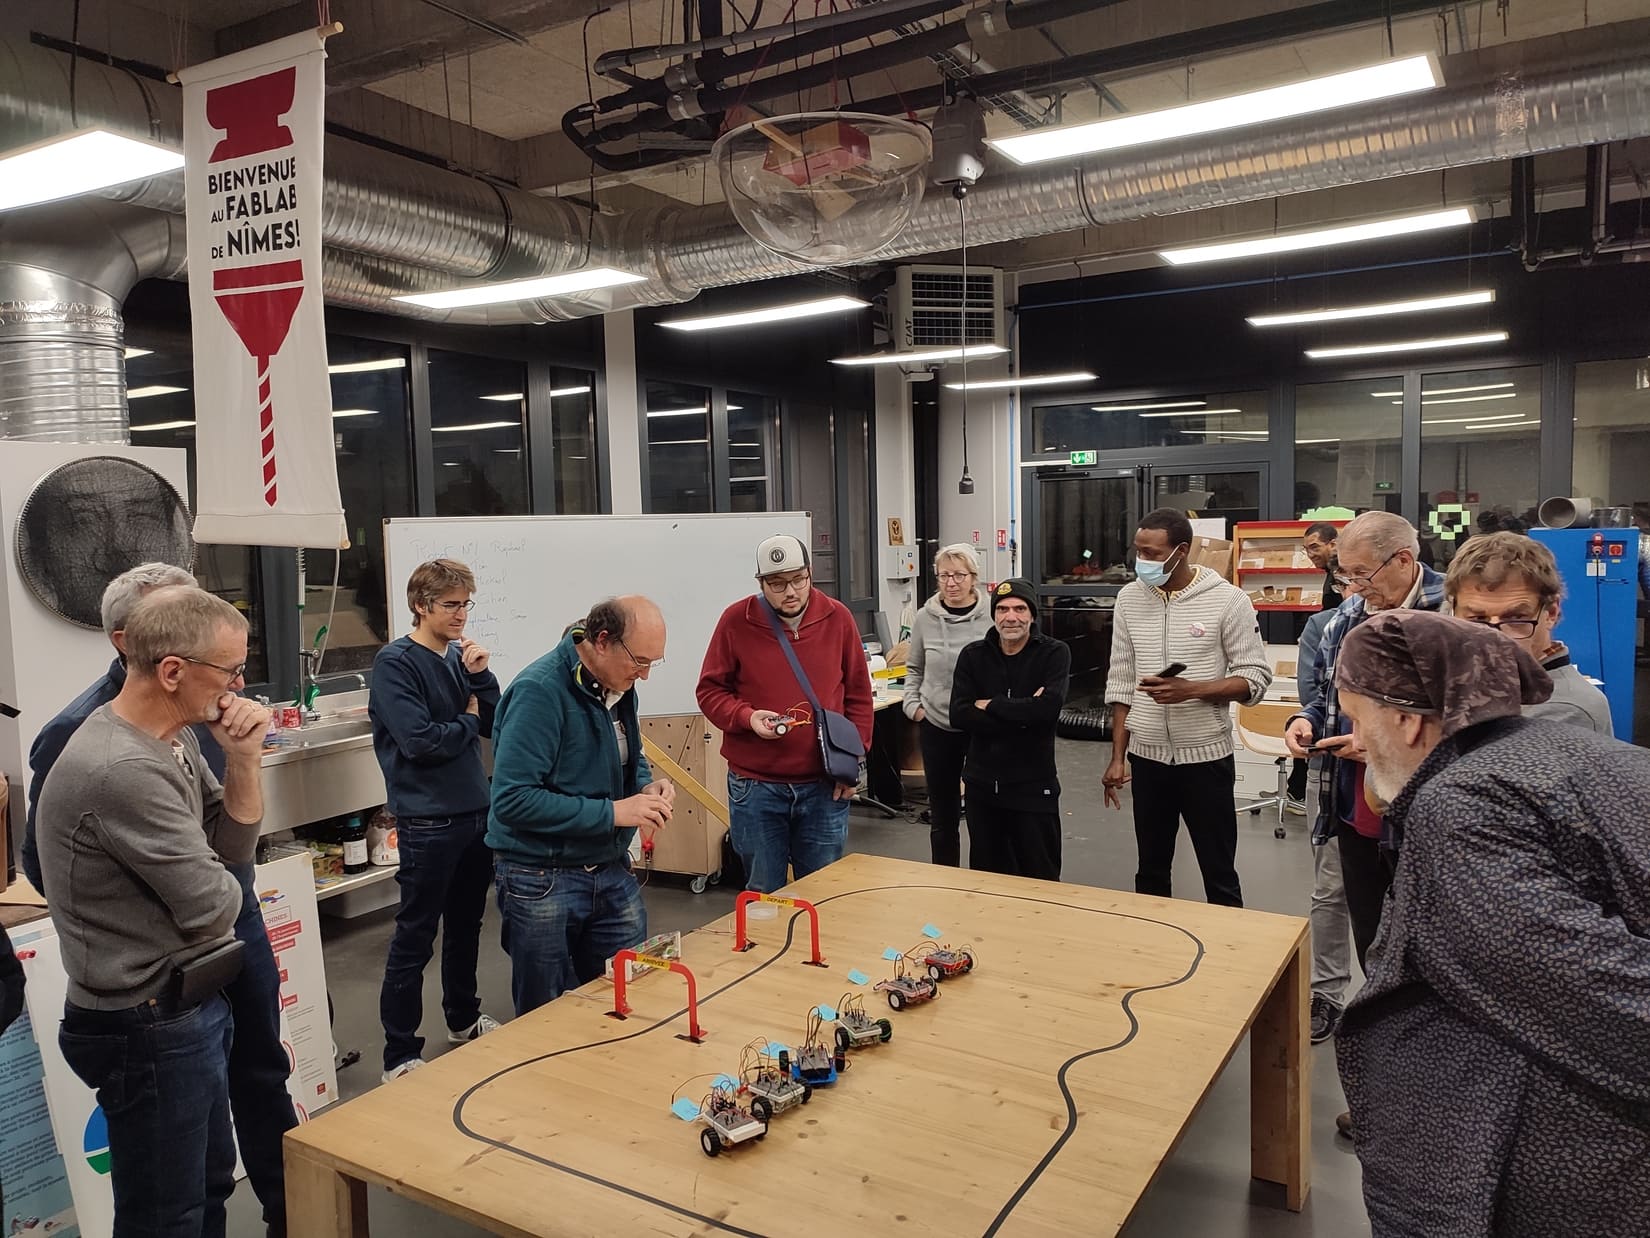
x,y
780,553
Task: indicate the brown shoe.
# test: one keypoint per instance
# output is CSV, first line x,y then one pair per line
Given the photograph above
x,y
1343,1124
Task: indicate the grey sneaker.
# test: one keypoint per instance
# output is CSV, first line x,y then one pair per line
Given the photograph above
x,y
406,1068
480,1027
1326,1017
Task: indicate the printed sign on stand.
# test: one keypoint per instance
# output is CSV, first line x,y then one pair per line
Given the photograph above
x,y
286,895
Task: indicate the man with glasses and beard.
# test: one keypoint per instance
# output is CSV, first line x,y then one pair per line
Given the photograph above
x,y
784,812
432,701
1496,1059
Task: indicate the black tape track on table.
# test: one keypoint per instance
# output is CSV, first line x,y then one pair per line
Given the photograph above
x,y
790,933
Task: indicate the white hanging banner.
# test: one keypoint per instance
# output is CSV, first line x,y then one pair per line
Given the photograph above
x,y
265,470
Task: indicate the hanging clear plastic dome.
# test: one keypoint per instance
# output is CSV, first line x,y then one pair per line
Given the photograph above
x,y
824,187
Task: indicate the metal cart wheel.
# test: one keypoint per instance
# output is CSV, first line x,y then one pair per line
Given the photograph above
x,y
698,884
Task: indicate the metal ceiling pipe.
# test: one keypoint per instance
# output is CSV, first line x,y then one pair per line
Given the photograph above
x,y
65,270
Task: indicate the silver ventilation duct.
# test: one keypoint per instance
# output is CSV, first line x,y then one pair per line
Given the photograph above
x,y
394,225
65,271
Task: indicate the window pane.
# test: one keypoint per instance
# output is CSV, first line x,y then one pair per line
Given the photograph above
x,y
573,425
477,407
752,455
1210,496
1086,529
814,485
678,448
1480,455
372,435
1106,424
168,420
1348,444
1612,444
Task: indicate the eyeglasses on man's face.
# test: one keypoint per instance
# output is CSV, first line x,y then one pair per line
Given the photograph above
x,y
1519,629
234,672
790,584
1361,579
452,608
642,664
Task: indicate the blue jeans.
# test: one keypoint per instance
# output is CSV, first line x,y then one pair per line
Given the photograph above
x,y
258,1062
445,870
775,824
561,925
162,1081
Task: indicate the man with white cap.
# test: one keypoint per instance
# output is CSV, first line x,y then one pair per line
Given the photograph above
x,y
784,809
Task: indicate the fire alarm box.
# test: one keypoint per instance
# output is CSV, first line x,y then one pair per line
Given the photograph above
x,y
901,562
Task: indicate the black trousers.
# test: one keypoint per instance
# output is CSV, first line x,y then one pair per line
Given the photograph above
x,y
1366,871
1005,838
1201,795
1297,780
942,763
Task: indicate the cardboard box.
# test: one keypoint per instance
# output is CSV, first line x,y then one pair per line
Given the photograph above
x,y
1214,553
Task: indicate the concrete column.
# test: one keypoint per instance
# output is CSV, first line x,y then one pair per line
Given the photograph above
x,y
621,414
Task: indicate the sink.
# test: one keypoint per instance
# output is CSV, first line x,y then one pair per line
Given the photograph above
x,y
330,730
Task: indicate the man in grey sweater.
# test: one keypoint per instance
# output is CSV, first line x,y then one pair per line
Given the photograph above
x,y
1172,733
134,832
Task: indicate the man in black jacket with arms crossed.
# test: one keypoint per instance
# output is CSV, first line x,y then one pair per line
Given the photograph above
x,y
1006,694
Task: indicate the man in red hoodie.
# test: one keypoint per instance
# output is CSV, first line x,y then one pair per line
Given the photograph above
x,y
782,810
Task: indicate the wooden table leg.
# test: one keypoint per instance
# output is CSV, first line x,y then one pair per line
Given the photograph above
x,y
320,1201
1280,1082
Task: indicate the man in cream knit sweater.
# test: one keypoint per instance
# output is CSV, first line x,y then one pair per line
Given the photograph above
x,y
1172,734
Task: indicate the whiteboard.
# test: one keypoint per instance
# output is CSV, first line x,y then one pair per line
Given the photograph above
x,y
537,574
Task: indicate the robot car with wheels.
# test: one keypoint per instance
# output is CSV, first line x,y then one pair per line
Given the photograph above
x,y
727,1122
855,1029
904,989
813,1062
766,1078
941,962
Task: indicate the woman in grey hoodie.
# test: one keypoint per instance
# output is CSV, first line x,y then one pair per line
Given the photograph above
x,y
955,617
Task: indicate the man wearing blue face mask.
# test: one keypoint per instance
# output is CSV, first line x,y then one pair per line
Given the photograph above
x,y
1172,731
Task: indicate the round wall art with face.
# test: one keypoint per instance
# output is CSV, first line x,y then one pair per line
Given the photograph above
x,y
87,521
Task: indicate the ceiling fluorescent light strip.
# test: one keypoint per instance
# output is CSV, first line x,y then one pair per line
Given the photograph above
x,y
522,289
144,393
355,412
163,425
78,163
1130,408
1319,238
137,352
1198,412
1417,305
477,425
557,392
367,367
1439,341
1448,390
773,313
921,355
1031,380
1385,80
1467,399
1461,421
1505,425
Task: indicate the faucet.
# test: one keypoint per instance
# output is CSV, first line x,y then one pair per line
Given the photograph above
x,y
311,659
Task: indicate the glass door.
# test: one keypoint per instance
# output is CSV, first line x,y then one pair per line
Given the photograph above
x,y
1084,521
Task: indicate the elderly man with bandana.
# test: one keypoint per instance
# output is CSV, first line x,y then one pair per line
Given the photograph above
x,y
1497,1062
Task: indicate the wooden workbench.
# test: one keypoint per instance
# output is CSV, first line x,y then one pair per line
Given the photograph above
x,y
1038,1095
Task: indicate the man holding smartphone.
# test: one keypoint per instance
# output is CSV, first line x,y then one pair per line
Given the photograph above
x,y
1172,728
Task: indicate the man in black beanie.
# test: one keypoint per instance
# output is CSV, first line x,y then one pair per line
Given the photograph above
x,y
1006,695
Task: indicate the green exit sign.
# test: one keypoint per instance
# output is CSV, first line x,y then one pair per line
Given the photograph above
x,y
1384,485
1085,457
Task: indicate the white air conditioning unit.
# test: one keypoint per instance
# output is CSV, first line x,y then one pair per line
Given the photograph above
x,y
929,308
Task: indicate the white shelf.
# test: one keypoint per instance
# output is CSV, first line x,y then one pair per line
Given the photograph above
x,y
372,876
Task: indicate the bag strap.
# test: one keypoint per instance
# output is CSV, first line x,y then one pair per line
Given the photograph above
x,y
790,654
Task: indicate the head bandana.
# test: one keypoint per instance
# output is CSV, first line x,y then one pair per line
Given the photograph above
x,y
1425,663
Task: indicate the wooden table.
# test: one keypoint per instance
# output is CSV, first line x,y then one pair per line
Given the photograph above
x,y
1036,1096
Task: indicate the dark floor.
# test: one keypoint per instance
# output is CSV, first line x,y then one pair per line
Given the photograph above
x,y
1204,1190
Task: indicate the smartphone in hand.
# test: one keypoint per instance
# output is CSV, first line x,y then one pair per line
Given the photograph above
x,y
1171,670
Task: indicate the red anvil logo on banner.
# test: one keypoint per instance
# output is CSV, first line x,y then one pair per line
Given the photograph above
x,y
259,301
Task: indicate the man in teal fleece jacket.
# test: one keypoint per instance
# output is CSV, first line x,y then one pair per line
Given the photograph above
x,y
570,789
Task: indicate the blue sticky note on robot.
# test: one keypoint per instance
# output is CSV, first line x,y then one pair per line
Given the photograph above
x,y
857,977
685,1109
891,954
724,1081
826,1012
928,930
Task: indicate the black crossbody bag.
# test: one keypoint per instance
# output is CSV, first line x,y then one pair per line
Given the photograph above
x,y
840,748
205,975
